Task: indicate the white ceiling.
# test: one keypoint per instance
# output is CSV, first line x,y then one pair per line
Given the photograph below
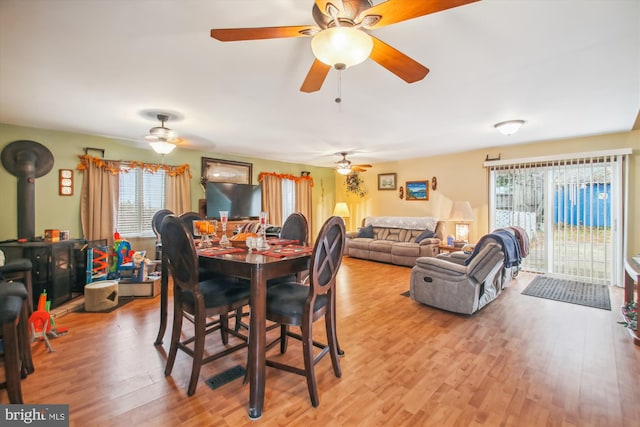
x,y
568,67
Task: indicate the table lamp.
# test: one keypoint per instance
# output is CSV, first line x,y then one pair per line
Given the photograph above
x,y
461,214
342,210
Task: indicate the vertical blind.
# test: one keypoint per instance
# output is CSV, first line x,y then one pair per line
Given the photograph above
x,y
571,209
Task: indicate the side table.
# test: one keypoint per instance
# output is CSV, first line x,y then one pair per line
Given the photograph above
x,y
447,248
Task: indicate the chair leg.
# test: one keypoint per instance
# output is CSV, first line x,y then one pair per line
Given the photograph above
x,y
12,362
332,340
284,338
198,351
309,368
24,337
224,328
28,283
175,338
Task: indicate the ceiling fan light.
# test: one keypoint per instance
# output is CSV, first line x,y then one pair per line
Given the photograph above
x,y
342,45
162,147
509,127
343,170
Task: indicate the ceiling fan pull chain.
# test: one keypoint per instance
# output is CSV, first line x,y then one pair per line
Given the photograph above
x,y
338,100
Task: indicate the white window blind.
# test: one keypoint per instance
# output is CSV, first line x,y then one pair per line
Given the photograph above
x,y
141,196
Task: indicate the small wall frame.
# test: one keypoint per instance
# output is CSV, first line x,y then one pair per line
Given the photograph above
x,y
417,190
386,181
65,179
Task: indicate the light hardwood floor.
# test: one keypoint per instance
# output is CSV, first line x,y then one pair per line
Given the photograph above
x,y
521,361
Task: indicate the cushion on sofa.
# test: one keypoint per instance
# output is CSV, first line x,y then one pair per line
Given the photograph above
x,y
366,232
426,234
381,246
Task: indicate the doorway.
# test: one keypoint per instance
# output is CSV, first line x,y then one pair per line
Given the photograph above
x,y
572,210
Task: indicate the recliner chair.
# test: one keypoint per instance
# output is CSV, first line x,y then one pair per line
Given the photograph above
x,y
458,288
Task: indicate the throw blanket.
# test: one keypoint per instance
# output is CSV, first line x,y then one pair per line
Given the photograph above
x,y
507,241
408,222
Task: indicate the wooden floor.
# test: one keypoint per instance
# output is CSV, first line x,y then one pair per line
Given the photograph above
x,y
521,361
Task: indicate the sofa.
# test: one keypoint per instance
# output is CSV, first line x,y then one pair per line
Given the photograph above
x,y
465,282
396,240
459,288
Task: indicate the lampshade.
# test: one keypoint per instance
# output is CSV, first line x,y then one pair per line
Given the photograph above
x,y
162,147
461,212
509,127
341,210
341,47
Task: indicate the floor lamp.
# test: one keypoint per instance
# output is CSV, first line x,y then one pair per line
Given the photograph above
x,y
461,214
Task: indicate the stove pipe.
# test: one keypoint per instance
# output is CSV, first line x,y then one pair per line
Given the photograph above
x,y
27,160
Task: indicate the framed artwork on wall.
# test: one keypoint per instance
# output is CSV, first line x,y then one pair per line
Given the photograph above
x,y
218,170
417,190
386,181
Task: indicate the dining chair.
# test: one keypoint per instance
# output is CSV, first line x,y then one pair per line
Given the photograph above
x,y
188,218
295,227
198,301
156,224
14,333
296,304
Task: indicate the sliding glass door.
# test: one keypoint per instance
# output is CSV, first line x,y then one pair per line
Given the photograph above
x,y
572,210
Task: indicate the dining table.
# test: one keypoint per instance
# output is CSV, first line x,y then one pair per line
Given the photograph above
x,y
257,267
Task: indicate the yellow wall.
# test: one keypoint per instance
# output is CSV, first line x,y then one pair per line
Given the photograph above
x,y
461,176
63,212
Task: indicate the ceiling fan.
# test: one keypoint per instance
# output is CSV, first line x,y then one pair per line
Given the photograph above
x,y
339,39
344,166
162,139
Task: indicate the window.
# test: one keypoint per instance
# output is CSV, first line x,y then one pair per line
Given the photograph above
x,y
288,198
141,196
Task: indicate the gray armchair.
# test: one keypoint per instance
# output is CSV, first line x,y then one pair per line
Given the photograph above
x,y
458,288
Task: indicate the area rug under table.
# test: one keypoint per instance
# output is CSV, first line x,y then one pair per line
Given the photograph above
x,y
588,294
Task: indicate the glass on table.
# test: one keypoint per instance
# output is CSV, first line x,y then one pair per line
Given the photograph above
x,y
224,240
251,243
263,230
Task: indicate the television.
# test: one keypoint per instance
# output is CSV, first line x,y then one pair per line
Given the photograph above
x,y
242,201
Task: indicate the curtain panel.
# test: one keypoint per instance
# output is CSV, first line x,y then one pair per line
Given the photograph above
x,y
101,187
272,195
99,200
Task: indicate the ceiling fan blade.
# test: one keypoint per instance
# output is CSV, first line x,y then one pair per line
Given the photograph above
x,y
392,11
237,34
358,169
326,6
363,166
315,77
397,62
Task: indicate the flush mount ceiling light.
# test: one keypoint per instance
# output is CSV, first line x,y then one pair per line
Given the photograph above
x,y
160,137
509,127
342,47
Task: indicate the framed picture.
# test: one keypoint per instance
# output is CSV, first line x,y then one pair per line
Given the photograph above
x,y
386,181
417,190
218,170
